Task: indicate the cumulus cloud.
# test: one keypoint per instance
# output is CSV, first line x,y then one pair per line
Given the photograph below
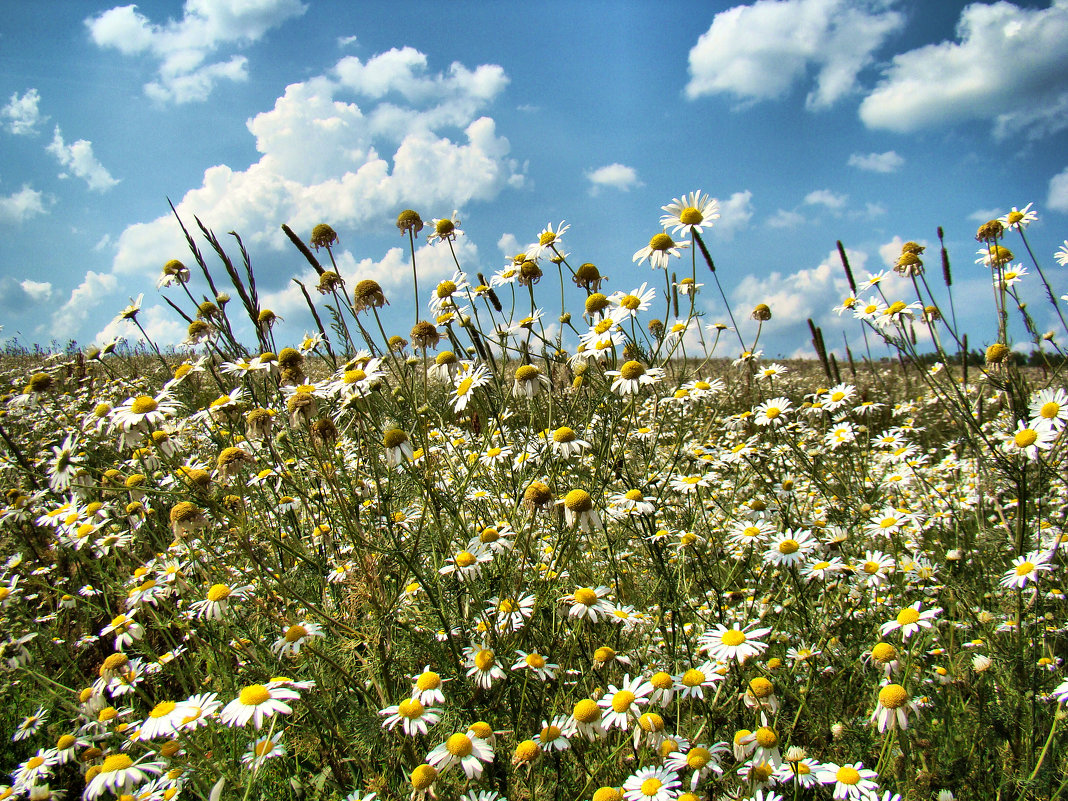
x,y
785,219
21,115
1058,191
78,158
21,205
18,296
827,199
612,176
68,319
761,51
159,321
509,245
877,162
182,47
734,214
1006,65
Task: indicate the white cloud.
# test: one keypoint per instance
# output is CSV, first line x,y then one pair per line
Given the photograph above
x,y
509,245
984,215
21,114
734,214
160,322
1058,191
760,51
877,162
785,219
808,292
1007,65
182,46
21,205
95,287
79,159
345,41
612,176
826,198
37,290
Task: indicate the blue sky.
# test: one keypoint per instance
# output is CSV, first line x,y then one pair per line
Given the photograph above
x,y
810,121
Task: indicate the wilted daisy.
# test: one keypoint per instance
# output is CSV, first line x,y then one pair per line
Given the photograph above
x,y
565,443
469,752
1026,569
528,381
258,703
414,717
586,720
467,564
578,509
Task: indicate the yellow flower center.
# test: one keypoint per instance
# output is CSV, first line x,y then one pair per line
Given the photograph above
x,y
1049,410
564,434
661,680
632,370
354,376
732,637
218,592
586,711
549,733
484,659
262,748
766,737
893,696
65,742
295,632
651,786
603,654
821,565
871,568
630,302
585,596
254,695
772,412
578,501
428,680
883,652
907,616
410,708
622,700
651,722
423,776
690,216
114,762
459,745
162,709
1025,438
1024,568
760,687
465,559
34,762
847,775
536,661
693,678
661,242
789,546
698,757
143,405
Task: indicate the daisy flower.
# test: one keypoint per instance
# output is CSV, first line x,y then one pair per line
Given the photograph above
x,y
119,774
632,376
851,782
661,247
565,443
626,304
427,687
217,601
528,382
547,240
295,636
164,720
890,711
414,717
690,213
631,502
578,509
724,644
483,668
622,704
771,412
910,620
790,548
474,379
553,735
470,753
692,682
1019,218
586,720
257,703
589,603
467,564
701,759
652,784
198,709
1026,569
30,725
1049,409
1061,254
875,567
537,664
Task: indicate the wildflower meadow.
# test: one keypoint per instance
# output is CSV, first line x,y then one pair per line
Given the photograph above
x,y
540,548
